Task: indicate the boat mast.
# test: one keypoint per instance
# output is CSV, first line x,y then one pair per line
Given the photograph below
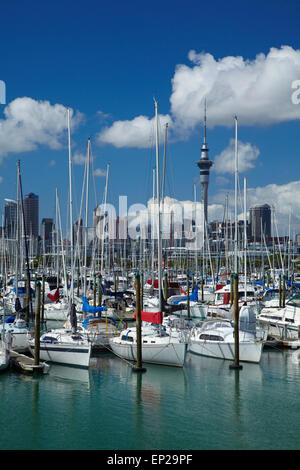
x,y
158,208
86,215
105,197
152,231
235,201
245,235
71,210
18,231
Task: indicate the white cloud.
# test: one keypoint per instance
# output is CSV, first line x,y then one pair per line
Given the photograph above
x,y
79,158
29,124
258,91
225,161
139,132
99,172
52,163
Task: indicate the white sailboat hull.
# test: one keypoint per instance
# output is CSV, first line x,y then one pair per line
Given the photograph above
x,y
70,354
248,352
169,353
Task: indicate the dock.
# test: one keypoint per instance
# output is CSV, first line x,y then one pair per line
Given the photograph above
x,y
24,363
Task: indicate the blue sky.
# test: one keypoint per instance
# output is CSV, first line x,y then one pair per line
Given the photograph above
x,y
106,60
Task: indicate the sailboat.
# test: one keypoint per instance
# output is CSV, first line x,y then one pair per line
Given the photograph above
x,y
158,346
215,338
66,346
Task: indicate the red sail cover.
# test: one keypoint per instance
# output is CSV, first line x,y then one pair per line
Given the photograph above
x,y
151,317
54,297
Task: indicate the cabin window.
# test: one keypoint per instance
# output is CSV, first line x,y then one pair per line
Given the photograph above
x,y
211,337
127,338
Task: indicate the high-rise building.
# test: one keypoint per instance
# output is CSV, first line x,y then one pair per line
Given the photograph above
x,y
260,220
10,218
204,164
47,228
31,214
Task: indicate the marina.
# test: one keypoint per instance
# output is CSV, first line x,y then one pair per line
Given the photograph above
x,y
149,230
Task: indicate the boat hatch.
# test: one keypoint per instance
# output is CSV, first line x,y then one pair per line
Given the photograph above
x,y
49,339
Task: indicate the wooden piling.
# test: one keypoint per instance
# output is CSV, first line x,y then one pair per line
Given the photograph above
x,y
37,323
138,367
27,301
231,290
236,365
283,291
188,296
165,287
280,292
43,299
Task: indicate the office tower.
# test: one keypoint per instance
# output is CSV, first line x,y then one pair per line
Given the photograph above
x,y
10,218
260,219
47,228
31,214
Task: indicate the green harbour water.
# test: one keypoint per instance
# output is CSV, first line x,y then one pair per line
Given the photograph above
x,y
205,405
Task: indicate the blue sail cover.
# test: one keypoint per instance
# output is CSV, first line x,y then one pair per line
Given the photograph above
x,y
86,307
193,296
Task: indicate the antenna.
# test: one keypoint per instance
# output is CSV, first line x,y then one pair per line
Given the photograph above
x,y
205,121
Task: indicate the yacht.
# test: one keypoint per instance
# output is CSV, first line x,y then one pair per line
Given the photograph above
x,y
282,323
221,307
158,346
64,346
215,338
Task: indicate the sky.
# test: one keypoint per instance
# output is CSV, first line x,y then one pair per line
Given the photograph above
x,y
108,61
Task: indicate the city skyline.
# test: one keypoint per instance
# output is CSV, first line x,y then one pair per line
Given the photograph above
x,y
113,103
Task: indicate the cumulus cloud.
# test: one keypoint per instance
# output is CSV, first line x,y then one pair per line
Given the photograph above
x,y
258,91
247,155
79,158
28,124
139,132
99,172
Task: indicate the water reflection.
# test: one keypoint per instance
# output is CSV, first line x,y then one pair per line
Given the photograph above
x,y
70,374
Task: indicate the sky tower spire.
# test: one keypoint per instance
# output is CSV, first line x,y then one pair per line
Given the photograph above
x,y
204,165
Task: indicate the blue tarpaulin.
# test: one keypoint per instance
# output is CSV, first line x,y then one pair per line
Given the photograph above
x,y
86,307
193,296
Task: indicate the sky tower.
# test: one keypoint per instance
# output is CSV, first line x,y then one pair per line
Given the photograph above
x,y
204,164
